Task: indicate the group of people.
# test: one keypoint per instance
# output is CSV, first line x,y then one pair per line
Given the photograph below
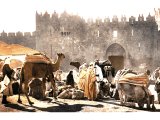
x,y
156,73
88,77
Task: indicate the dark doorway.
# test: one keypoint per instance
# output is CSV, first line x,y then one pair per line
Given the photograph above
x,y
117,62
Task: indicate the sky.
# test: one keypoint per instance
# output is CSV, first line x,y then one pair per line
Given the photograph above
x,y
19,15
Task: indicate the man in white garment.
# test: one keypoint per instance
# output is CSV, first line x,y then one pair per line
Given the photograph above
x,y
7,76
99,76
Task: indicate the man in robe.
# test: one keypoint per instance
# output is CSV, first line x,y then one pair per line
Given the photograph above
x,y
82,76
7,76
90,90
70,79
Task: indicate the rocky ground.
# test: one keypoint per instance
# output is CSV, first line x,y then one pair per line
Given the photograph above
x,y
68,105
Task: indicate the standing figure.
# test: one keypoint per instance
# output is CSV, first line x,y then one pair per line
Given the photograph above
x,y
100,80
108,73
58,74
7,71
156,73
70,79
90,90
82,76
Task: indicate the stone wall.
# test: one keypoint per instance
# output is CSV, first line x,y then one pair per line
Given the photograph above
x,y
136,40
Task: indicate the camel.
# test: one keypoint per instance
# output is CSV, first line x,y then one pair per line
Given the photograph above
x,y
75,64
38,66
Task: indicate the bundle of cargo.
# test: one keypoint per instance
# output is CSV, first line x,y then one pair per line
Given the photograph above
x,y
71,93
130,78
37,58
15,63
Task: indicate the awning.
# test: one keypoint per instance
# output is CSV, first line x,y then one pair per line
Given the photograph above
x,y
15,49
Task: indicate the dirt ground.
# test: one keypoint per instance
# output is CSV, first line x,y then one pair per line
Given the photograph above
x,y
68,105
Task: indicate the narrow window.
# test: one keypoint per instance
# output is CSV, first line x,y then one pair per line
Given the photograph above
x,y
139,46
115,34
98,33
132,32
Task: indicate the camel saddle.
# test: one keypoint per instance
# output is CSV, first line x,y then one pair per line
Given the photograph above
x,y
130,78
37,59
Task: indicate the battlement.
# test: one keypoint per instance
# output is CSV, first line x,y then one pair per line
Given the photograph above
x,y
123,18
17,34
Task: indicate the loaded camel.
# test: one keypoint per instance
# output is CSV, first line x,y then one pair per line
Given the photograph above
x,y
38,66
133,87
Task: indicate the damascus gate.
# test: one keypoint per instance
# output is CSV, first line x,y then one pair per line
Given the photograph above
x,y
116,54
126,42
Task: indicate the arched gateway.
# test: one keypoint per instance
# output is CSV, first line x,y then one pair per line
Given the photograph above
x,y
117,55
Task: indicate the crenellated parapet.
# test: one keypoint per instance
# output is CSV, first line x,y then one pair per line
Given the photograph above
x,y
26,38
3,34
27,34
19,34
115,19
65,22
11,35
132,20
150,18
65,15
16,34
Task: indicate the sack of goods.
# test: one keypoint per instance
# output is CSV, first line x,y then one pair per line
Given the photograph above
x,y
141,79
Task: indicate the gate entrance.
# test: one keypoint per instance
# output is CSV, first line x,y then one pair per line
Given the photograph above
x,y
117,62
117,55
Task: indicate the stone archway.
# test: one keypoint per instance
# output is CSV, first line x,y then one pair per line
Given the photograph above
x,y
117,55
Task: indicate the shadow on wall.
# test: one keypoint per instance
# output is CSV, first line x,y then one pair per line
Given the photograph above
x,y
142,64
